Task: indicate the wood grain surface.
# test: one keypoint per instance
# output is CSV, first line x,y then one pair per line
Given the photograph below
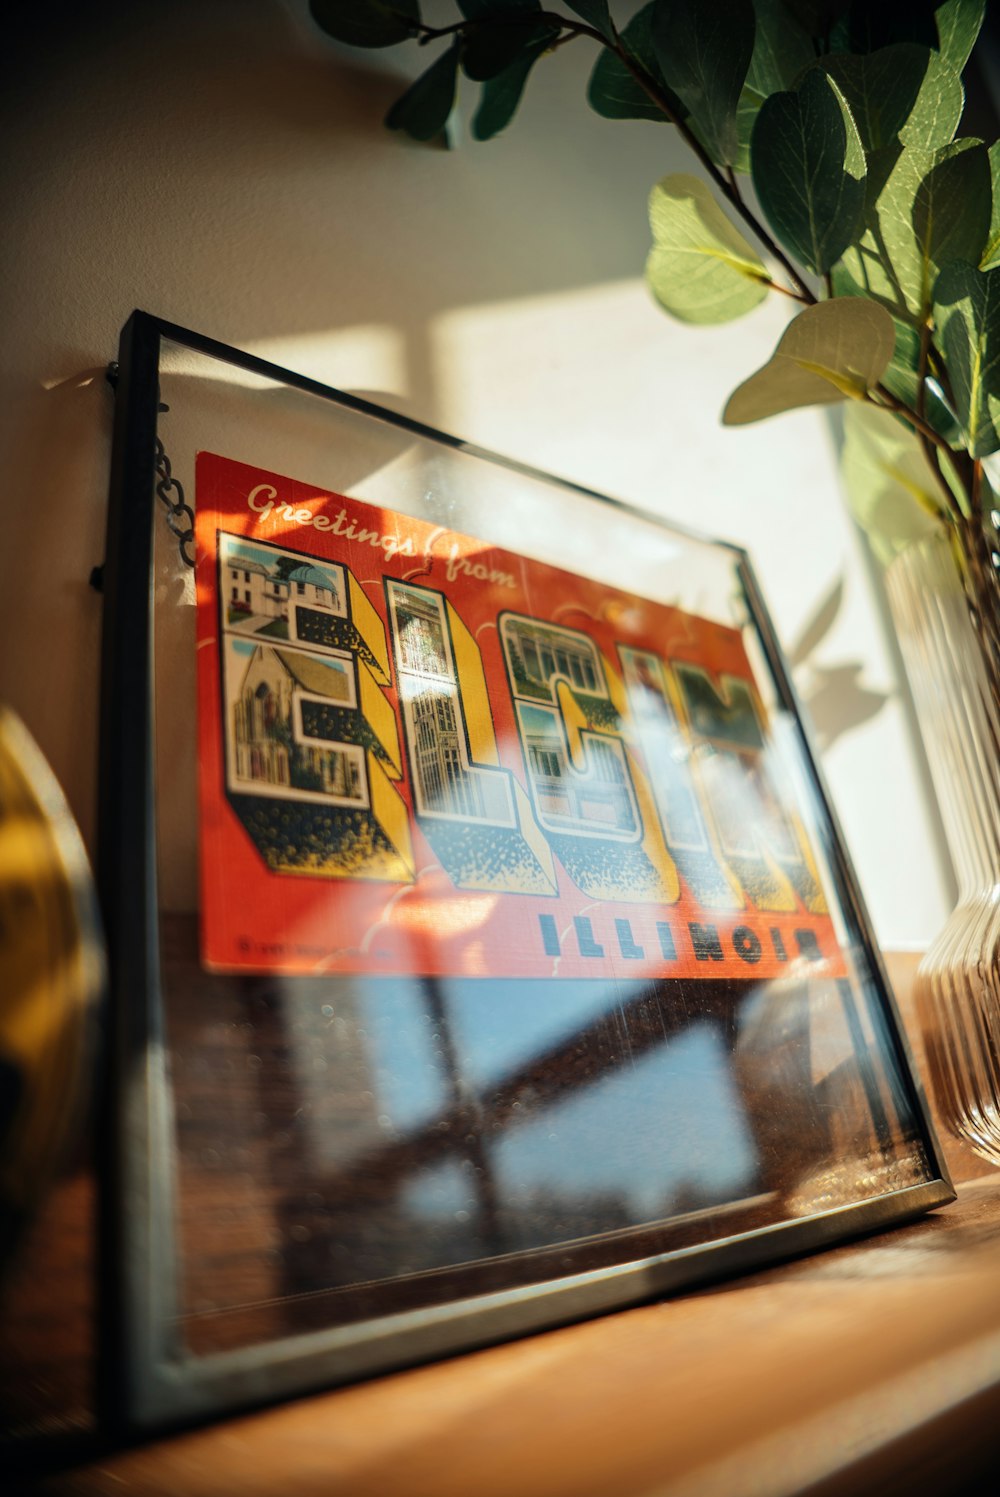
x,y
872,1367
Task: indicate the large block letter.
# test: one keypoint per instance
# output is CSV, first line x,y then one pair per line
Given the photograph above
x,y
471,810
312,744
589,798
666,750
760,836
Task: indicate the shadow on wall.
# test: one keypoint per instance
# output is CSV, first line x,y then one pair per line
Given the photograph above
x,y
799,653
834,696
50,616
254,188
227,168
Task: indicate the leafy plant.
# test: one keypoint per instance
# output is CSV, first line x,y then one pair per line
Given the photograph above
x,y
873,217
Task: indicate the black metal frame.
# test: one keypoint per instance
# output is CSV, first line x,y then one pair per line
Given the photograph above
x,y
139,1384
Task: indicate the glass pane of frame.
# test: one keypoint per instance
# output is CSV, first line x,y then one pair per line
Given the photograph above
x,y
485,952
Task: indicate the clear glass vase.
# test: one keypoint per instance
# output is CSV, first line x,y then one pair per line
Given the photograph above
x,y
957,694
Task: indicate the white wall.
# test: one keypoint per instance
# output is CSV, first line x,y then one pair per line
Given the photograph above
x,y
223,166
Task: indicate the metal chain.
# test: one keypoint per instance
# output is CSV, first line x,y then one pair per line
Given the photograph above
x,y
180,515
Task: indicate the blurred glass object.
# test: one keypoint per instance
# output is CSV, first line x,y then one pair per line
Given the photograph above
x,y
957,693
51,975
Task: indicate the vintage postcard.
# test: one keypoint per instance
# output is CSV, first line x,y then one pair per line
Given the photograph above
x,y
424,755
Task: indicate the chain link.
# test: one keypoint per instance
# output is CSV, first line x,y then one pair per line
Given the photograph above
x,y
180,515
169,491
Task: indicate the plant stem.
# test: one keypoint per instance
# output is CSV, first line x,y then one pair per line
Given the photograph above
x,y
951,510
900,408
930,443
940,373
923,430
968,474
728,189
773,285
655,93
425,33
925,345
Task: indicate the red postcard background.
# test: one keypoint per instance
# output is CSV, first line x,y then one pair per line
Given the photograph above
x,y
256,920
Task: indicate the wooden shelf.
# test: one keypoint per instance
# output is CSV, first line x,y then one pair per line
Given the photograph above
x,y
870,1368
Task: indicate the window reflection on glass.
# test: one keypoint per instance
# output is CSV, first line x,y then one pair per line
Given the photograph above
x,y
359,1148
660,1135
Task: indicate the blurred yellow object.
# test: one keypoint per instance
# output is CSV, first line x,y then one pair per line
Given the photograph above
x,y
51,974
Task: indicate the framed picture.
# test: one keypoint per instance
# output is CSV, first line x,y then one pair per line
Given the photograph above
x,y
484,952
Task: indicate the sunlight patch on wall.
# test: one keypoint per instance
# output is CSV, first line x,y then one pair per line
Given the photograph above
x,y
600,386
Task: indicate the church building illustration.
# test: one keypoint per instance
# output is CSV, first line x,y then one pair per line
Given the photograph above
x,y
278,719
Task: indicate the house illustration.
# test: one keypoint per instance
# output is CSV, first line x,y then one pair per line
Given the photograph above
x,y
282,693
310,585
252,588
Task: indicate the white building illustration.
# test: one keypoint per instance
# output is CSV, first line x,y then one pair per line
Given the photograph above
x,y
546,653
446,782
258,591
420,632
598,799
251,588
314,587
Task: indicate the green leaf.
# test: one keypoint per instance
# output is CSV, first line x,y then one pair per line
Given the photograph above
x,y
888,482
902,379
991,253
614,93
933,207
950,26
967,314
958,26
595,13
367,23
747,111
816,16
903,94
424,109
781,52
809,171
782,48
704,52
700,268
501,95
833,351
489,50
951,207
902,373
